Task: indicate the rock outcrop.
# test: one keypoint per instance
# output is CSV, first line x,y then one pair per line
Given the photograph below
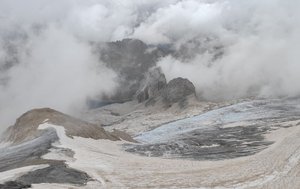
x,y
155,88
26,127
27,143
152,85
177,89
130,59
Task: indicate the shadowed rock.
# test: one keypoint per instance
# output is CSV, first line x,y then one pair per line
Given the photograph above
x,y
29,152
152,85
58,173
27,144
130,59
178,89
14,185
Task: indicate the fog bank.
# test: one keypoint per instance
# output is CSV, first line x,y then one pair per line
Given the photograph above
x,y
227,48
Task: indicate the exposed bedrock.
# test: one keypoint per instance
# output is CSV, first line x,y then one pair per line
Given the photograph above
x,y
56,173
152,86
27,153
26,127
177,90
14,185
130,59
27,144
139,79
155,87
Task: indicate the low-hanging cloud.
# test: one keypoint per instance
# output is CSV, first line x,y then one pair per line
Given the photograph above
x,y
257,42
58,71
46,56
227,48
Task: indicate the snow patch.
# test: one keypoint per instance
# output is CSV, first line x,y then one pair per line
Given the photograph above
x,y
87,156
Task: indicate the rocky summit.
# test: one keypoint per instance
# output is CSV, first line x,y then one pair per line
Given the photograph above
x,y
178,89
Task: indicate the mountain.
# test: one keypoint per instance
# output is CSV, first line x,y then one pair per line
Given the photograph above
x,y
27,141
130,59
254,142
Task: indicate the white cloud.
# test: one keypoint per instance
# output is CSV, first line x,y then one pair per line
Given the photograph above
x,y
56,68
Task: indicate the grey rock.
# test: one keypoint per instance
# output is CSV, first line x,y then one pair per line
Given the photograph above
x,y
27,144
14,185
130,59
58,173
27,153
177,90
152,85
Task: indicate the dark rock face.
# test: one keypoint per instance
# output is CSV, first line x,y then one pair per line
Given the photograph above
x,y
134,62
27,153
59,173
154,88
152,85
27,145
177,89
14,185
130,59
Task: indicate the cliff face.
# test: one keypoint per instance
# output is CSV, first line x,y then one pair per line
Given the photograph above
x,y
130,59
152,85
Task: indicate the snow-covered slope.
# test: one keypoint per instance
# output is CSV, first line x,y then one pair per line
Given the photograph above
x,y
24,145
263,134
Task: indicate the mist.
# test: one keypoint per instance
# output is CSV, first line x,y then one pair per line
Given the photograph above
x,y
258,43
228,48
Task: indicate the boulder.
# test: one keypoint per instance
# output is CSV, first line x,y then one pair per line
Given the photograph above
x,y
177,90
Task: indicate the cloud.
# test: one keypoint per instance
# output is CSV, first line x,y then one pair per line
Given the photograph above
x,y
46,57
227,48
58,71
259,42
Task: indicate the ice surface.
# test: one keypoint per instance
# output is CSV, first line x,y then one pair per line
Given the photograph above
x,y
239,113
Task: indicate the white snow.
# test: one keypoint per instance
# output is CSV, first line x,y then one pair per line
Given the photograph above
x,y
86,157
112,167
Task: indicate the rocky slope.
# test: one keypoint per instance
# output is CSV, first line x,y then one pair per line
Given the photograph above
x,y
25,144
26,127
130,59
248,144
